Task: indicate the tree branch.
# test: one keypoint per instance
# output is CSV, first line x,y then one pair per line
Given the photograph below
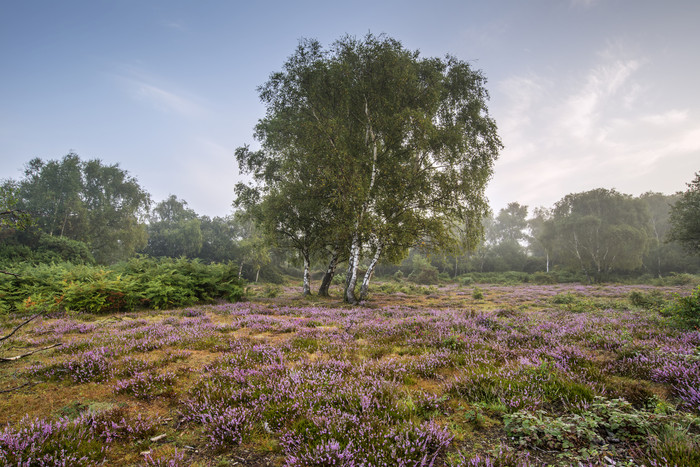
x,y
2,391
19,327
17,357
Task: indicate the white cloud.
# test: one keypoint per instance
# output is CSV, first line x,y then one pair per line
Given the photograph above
x,y
607,128
143,87
174,24
671,117
166,100
584,110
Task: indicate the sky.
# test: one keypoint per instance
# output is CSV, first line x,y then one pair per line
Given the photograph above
x,y
586,93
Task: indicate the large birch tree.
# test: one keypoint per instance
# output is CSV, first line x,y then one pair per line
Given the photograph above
x,y
395,149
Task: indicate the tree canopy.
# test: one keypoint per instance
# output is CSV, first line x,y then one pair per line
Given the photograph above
x,y
369,147
101,205
600,231
685,217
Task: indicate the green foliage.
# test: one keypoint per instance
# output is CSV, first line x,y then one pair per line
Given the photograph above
x,y
652,300
11,217
141,282
174,230
685,217
36,247
427,275
477,294
98,204
544,278
686,310
168,282
599,231
579,434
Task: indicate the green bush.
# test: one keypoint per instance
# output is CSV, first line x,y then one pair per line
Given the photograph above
x,y
652,300
686,310
144,282
544,278
466,280
37,247
425,275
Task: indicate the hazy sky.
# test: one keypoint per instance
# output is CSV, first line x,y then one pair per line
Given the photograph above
x,y
586,93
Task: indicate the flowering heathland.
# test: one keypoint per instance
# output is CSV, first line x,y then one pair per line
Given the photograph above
x,y
522,375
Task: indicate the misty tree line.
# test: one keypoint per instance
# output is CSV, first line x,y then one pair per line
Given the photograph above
x,y
597,234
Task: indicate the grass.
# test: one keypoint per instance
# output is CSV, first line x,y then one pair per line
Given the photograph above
x,y
512,375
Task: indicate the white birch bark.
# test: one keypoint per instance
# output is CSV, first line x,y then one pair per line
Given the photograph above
x,y
352,270
354,261
307,275
364,290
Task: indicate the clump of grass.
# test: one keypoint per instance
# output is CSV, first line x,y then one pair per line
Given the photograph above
x,y
673,445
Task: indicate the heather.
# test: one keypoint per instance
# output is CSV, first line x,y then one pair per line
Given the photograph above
x,y
512,375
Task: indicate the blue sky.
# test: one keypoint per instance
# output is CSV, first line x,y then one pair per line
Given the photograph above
x,y
586,93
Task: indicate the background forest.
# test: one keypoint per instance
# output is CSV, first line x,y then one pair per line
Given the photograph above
x,y
84,218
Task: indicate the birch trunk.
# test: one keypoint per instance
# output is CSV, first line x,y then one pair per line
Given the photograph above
x,y
352,270
328,276
307,274
364,290
354,261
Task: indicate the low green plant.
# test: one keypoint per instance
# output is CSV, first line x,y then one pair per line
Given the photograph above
x,y
477,294
652,300
141,282
685,309
579,433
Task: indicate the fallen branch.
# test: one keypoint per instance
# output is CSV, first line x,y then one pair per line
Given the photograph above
x,y
9,273
2,391
19,327
17,357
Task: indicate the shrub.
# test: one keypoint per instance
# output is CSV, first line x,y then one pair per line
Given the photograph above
x,y
652,300
140,282
686,310
426,275
544,278
466,280
477,294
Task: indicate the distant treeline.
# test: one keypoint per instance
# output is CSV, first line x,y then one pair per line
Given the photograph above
x,y
88,213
